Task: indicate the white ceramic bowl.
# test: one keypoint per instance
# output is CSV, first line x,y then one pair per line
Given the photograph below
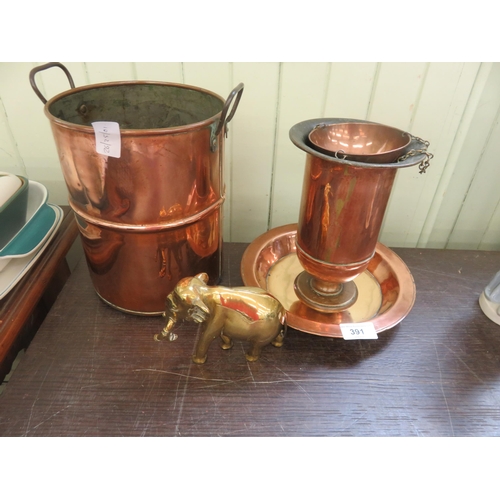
x,y
9,184
13,201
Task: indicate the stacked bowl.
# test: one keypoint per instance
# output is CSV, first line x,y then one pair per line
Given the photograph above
x,y
27,224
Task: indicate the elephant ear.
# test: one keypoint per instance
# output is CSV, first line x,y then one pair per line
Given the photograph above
x,y
192,295
195,298
199,304
202,277
199,312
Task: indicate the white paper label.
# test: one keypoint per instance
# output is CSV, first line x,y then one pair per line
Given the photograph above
x,y
358,331
107,138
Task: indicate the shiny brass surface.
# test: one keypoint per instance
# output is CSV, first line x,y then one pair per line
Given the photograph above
x,y
242,313
332,297
386,288
152,216
360,141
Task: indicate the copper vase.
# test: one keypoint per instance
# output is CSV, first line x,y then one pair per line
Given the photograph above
x,y
342,208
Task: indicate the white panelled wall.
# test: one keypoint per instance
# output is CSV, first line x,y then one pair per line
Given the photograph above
x,y
454,106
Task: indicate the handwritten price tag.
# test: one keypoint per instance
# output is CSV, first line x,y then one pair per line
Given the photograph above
x,y
107,138
358,331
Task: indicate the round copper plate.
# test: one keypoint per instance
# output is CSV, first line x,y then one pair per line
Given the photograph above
x,y
386,289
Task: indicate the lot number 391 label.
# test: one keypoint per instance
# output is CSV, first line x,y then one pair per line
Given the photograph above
x,y
358,331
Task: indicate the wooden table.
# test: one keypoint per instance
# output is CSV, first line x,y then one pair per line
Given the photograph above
x,y
94,371
23,309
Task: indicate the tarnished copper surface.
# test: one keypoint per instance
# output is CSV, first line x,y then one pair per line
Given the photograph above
x,y
343,203
360,141
341,212
386,289
152,216
134,271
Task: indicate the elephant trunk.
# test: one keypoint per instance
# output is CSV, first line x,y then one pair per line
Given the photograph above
x,y
167,330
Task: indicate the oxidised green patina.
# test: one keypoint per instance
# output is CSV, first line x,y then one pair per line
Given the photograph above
x,y
137,106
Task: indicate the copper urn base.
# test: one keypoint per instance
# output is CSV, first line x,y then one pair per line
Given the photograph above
x,y
386,290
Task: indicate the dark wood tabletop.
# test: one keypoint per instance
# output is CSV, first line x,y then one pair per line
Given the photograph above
x,y
94,371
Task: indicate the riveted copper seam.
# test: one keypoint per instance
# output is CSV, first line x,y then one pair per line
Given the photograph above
x,y
322,262
148,228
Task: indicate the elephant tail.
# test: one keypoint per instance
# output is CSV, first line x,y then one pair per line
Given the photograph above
x,y
282,317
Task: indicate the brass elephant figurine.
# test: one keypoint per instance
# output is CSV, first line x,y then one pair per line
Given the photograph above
x,y
241,313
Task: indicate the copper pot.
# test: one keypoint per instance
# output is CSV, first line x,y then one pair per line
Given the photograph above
x,y
153,215
342,208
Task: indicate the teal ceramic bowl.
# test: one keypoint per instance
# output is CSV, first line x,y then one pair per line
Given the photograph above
x,y
31,234
39,216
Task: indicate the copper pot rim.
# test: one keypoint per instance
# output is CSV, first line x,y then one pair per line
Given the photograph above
x,y
384,321
299,135
88,129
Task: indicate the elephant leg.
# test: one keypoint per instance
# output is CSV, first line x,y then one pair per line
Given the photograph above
x,y
254,352
227,342
200,355
204,341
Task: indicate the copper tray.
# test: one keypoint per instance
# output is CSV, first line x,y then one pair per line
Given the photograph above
x,y
386,289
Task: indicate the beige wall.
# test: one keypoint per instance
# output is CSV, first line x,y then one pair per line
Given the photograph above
x,y
453,105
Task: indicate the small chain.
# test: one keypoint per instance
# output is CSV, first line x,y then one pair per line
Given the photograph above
x,y
414,152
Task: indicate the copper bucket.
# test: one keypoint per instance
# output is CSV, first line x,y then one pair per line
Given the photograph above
x,y
153,215
343,204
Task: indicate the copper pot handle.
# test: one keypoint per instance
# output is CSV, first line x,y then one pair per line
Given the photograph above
x,y
223,121
43,67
